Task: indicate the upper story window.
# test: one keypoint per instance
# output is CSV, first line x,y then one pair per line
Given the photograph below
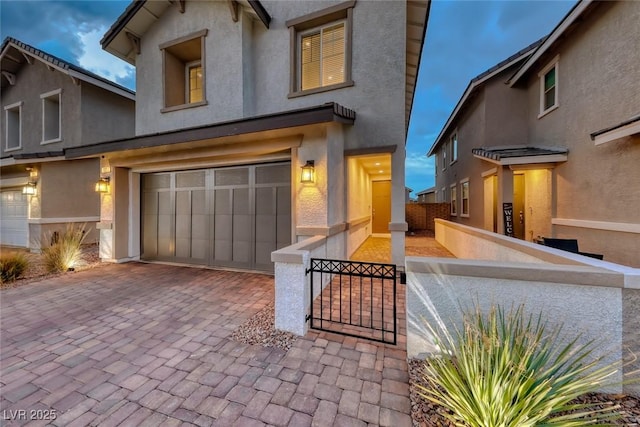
x,y
453,145
321,50
549,88
444,156
184,72
13,126
464,186
435,169
51,117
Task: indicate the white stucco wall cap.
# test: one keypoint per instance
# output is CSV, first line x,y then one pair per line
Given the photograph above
x,y
296,253
566,274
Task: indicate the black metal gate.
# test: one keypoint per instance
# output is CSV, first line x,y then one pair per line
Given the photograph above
x,y
354,298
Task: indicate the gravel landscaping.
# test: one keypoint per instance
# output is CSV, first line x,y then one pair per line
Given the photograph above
x,y
425,413
260,329
37,271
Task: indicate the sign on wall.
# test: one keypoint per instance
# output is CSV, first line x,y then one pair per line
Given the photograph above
x,y
507,209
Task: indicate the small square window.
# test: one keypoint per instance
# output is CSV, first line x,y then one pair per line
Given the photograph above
x,y
465,198
184,72
51,117
13,126
321,50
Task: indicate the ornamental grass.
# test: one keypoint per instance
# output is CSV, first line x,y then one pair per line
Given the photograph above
x,y
505,369
12,266
65,250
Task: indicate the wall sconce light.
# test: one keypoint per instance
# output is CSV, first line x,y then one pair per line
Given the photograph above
x,y
308,173
102,186
30,188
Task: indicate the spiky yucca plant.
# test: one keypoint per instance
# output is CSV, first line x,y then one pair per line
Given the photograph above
x,y
506,370
65,251
12,266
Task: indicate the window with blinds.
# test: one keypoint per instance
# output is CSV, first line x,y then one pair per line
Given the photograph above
x,y
322,56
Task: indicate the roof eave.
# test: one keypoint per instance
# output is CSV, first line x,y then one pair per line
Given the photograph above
x,y
557,32
473,84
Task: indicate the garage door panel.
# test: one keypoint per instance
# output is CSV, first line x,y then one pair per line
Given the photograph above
x,y
241,252
265,201
263,252
265,228
14,227
223,250
223,227
242,227
220,217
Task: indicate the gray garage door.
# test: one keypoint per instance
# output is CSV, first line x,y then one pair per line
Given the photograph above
x,y
14,229
226,217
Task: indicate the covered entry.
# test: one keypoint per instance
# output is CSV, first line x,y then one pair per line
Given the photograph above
x,y
225,217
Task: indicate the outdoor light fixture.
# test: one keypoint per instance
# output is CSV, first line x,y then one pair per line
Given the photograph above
x,y
102,186
30,188
308,173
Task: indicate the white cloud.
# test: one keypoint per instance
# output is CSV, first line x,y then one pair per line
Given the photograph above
x,y
98,61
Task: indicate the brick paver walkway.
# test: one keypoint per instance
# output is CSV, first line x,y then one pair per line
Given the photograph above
x,y
378,249
140,344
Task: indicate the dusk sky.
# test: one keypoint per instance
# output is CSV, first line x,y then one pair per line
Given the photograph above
x,y
464,38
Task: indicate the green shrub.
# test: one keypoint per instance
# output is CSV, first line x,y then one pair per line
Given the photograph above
x,y
12,266
65,249
507,370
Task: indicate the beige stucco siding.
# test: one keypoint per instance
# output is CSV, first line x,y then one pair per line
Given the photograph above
x,y
248,74
599,86
67,189
105,115
32,81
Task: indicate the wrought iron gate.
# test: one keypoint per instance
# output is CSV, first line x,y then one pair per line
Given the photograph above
x,y
354,298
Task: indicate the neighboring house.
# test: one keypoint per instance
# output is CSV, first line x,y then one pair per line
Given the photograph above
x,y
427,196
407,194
260,124
48,106
554,130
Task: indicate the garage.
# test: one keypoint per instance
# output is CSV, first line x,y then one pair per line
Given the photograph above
x,y
224,217
14,228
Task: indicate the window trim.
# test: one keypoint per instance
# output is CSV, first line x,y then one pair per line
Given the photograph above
x,y
445,147
541,75
444,195
453,204
316,20
13,106
453,146
462,184
43,97
202,34
187,77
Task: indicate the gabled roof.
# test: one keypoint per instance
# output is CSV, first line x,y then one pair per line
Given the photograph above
x,y
477,82
14,54
140,15
427,191
571,19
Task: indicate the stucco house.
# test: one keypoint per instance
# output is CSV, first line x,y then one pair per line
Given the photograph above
x,y
428,195
48,106
259,124
555,131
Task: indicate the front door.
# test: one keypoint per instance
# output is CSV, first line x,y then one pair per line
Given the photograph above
x,y
518,206
381,204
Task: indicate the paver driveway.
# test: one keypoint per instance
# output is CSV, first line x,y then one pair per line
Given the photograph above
x,y
146,344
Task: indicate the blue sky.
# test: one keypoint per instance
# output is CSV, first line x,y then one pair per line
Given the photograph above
x,y
464,38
